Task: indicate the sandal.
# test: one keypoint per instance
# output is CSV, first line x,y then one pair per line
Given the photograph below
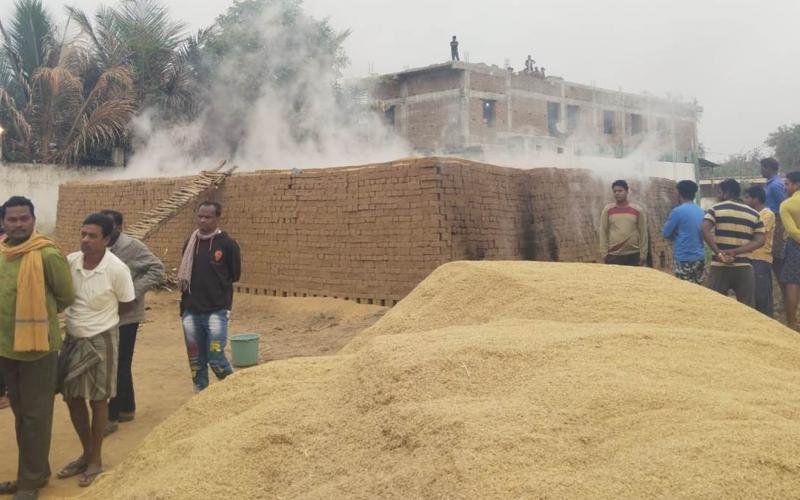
x,y
72,469
8,488
88,478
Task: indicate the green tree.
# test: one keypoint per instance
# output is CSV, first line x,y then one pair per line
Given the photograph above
x,y
739,166
269,48
786,143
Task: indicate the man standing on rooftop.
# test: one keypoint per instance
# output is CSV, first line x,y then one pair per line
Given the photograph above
x,y
454,49
623,229
35,285
684,229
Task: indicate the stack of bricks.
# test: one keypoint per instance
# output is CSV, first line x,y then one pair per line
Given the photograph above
x,y
372,233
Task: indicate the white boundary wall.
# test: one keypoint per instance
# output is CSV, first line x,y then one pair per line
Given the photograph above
x,y
40,184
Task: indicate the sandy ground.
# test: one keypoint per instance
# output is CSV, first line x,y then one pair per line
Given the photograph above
x,y
289,327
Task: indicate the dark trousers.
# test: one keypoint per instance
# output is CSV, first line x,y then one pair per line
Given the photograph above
x,y
762,271
31,390
125,400
2,385
740,279
623,260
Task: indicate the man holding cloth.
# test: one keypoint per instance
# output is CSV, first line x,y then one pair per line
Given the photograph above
x,y
35,285
87,363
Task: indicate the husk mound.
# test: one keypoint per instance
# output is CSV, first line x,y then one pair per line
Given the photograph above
x,y
503,380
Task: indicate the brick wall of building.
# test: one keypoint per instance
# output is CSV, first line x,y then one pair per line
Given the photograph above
x,y
436,81
433,124
529,116
372,233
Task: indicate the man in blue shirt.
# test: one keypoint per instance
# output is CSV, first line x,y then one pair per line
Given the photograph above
x,y
775,193
684,229
775,190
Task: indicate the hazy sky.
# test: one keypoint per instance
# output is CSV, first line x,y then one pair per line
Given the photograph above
x,y
738,58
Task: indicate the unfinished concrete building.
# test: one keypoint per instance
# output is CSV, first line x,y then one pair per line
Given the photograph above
x,y
467,108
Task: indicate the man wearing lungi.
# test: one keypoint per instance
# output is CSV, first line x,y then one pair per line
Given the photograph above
x,y
87,364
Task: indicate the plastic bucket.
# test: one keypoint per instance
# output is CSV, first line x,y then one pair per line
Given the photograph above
x,y
244,348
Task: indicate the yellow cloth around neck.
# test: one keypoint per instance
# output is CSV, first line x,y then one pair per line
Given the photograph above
x,y
32,326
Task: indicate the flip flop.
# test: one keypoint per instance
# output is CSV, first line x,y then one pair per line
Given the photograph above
x,y
72,469
87,478
8,488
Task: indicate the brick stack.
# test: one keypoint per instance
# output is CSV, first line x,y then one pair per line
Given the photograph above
x,y
372,233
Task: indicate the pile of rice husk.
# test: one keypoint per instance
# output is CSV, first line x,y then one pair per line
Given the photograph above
x,y
504,380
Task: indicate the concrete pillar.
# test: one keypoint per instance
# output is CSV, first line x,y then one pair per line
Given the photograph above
x,y
509,121
465,97
404,109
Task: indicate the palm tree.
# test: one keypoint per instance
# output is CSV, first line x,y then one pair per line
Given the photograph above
x,y
164,60
49,110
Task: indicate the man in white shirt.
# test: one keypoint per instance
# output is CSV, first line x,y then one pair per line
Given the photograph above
x,y
88,359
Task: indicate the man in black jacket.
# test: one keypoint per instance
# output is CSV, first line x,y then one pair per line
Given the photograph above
x,y
210,265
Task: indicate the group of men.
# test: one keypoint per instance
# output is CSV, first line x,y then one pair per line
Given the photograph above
x,y
100,289
750,235
531,69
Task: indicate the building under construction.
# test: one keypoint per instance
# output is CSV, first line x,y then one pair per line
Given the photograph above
x,y
459,107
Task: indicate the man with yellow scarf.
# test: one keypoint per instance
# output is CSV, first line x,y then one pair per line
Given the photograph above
x,y
35,285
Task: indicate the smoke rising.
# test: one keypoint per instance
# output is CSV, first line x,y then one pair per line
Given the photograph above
x,y
278,106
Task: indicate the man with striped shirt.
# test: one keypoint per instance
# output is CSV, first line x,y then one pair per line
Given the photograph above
x,y
623,230
733,230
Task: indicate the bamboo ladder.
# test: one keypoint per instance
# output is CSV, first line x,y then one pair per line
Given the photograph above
x,y
151,220
168,208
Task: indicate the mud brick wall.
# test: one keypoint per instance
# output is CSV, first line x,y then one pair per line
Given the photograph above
x,y
372,233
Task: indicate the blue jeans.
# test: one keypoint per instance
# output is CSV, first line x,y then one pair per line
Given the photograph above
x,y
206,335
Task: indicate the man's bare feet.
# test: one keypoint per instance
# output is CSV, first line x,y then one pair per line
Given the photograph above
x,y
4,402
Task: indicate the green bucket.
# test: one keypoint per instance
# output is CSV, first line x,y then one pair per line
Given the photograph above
x,y
244,348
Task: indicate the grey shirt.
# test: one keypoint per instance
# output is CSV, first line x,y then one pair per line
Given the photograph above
x,y
147,272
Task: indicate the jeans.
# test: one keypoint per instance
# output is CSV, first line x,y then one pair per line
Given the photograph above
x,y
206,335
31,390
125,400
763,276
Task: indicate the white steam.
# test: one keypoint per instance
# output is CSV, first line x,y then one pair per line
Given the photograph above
x,y
260,134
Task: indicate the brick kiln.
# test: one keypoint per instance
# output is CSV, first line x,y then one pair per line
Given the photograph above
x,y
372,233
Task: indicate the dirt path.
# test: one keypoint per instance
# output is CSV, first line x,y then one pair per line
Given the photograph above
x,y
288,327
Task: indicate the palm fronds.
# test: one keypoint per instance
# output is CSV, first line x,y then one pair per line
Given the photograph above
x,y
102,117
